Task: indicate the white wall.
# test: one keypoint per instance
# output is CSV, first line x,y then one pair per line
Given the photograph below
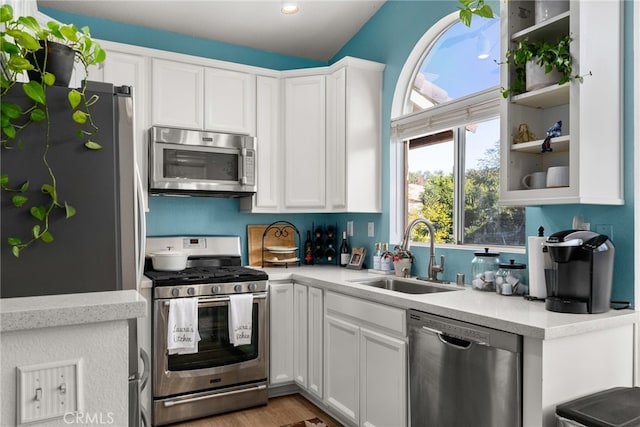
x,y
104,374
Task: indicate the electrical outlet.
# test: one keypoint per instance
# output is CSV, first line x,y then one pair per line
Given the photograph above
x,y
350,228
47,391
370,230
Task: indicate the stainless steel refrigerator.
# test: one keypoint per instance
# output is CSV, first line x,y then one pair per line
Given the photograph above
x,y
100,248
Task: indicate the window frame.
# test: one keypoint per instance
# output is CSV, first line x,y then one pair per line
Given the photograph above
x,y
479,106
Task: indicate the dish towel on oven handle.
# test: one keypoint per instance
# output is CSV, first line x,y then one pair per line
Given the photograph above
x,y
240,319
182,327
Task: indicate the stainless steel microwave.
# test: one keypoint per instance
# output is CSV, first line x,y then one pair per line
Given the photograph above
x,y
183,161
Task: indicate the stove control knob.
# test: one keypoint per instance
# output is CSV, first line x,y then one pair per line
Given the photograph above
x,y
175,292
237,288
253,287
215,289
191,291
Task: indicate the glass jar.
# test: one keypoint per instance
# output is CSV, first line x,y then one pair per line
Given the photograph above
x,y
511,279
484,267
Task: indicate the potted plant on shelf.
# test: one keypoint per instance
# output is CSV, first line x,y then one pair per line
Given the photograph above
x,y
28,47
540,63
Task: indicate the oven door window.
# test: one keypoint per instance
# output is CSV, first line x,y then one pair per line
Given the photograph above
x,y
200,165
214,348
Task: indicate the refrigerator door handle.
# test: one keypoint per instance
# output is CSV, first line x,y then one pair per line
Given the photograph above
x,y
141,226
146,362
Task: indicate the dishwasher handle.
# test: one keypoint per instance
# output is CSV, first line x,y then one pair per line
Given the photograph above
x,y
455,341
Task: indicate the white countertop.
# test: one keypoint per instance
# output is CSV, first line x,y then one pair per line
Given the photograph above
x,y
507,313
70,309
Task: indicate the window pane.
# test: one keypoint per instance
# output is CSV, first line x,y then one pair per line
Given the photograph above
x,y
484,221
461,62
430,189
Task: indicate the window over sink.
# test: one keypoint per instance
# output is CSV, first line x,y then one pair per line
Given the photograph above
x,y
445,146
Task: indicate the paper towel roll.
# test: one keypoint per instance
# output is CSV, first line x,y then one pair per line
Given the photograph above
x,y
537,283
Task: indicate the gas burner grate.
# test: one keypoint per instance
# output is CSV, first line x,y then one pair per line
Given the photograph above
x,y
193,275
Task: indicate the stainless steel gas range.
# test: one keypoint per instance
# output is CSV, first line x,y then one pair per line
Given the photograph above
x,y
219,377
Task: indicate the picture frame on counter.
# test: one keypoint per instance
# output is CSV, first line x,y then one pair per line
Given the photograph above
x,y
357,258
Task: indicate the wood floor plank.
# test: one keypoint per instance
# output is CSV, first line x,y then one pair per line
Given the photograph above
x,y
278,411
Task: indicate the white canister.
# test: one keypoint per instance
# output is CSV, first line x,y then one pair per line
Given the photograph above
x,y
546,9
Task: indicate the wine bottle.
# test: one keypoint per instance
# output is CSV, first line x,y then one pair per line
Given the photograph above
x,y
344,250
330,253
308,249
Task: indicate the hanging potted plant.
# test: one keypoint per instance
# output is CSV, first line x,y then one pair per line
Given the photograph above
x,y
28,48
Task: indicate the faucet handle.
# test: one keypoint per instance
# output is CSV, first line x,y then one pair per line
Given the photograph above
x,y
439,268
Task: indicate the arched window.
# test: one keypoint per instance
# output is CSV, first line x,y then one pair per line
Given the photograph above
x,y
446,138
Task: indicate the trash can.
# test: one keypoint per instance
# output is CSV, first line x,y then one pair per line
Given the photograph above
x,y
616,407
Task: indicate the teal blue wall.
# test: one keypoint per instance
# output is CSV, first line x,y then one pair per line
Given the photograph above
x,y
388,37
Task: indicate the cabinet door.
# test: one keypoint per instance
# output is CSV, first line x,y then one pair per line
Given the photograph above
x,y
269,173
383,384
342,361
133,70
177,95
305,142
281,332
336,140
300,334
315,338
229,101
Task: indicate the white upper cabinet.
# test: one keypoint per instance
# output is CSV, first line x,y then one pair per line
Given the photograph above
x,y
177,95
354,149
591,111
197,97
304,143
229,101
123,66
269,173
329,156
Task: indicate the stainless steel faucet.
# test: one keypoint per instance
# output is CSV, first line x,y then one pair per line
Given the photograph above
x,y
433,268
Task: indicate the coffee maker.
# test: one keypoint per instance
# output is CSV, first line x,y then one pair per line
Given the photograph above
x,y
581,276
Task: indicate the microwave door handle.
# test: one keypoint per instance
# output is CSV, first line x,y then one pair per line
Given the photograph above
x,y
243,171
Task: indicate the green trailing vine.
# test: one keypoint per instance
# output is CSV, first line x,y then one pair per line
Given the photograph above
x,y
20,38
468,8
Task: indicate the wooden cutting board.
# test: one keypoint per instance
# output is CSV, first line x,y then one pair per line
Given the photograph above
x,y
254,239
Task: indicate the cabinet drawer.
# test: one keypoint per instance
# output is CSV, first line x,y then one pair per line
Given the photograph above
x,y
367,313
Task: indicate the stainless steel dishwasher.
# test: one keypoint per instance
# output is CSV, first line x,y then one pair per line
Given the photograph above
x,y
461,374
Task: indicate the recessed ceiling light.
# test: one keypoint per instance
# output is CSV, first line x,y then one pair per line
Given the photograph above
x,y
289,8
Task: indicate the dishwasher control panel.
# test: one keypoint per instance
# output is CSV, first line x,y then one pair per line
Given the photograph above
x,y
464,331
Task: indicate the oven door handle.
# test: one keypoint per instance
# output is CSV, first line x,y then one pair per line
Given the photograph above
x,y
170,403
204,302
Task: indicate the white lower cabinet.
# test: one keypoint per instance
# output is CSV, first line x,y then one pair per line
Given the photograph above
x,y
315,345
300,334
296,316
342,360
307,338
365,361
281,332
383,395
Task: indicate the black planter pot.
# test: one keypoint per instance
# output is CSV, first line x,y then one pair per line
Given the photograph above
x,y
54,58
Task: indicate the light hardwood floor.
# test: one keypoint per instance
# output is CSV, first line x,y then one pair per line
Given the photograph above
x,y
279,411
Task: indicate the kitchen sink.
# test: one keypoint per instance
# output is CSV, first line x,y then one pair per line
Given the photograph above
x,y
406,286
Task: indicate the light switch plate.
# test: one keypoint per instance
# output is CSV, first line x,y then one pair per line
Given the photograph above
x,y
350,228
370,229
48,390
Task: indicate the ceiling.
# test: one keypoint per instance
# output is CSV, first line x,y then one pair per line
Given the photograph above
x,y
317,31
